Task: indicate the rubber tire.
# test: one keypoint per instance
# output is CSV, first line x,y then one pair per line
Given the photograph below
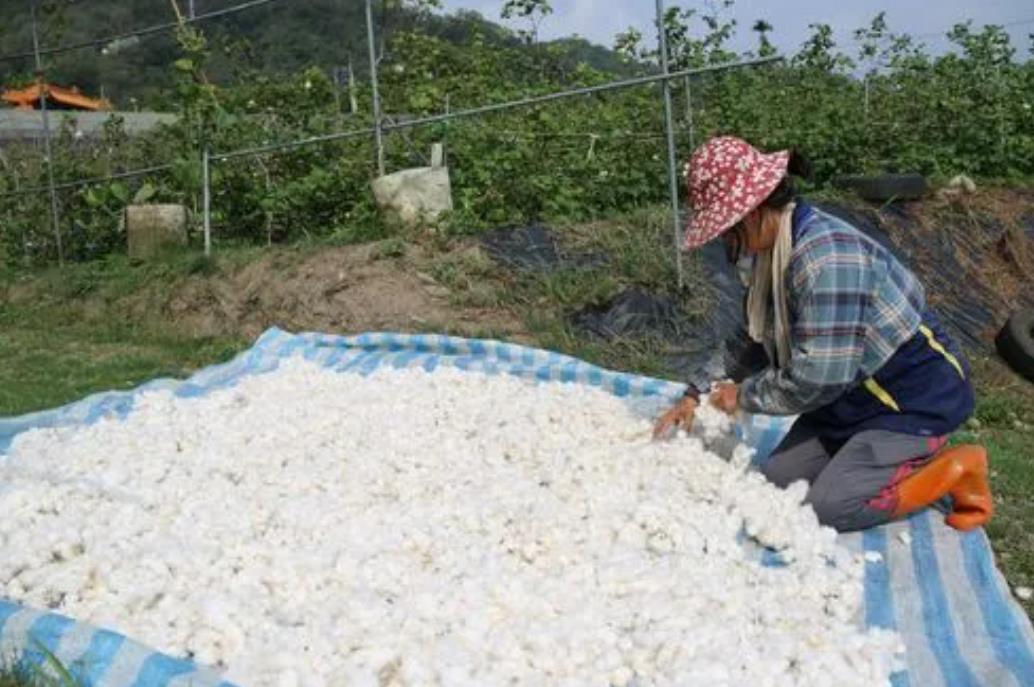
x,y
1015,343
885,187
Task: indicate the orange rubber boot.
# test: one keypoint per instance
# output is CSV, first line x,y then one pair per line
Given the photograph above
x,y
961,472
974,504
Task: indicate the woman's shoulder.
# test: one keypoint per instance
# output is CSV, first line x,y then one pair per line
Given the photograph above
x,y
826,244
817,230
820,228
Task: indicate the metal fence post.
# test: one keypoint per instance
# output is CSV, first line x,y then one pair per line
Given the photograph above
x,y
55,218
1002,94
206,202
669,122
689,115
865,83
448,111
377,123
353,103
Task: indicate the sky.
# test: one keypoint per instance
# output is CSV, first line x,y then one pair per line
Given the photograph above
x,y
600,20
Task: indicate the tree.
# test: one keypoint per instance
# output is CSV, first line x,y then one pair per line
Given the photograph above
x,y
685,51
991,46
628,44
881,49
415,11
817,52
765,48
534,11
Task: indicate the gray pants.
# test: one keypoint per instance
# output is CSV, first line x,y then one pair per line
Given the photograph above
x,y
853,482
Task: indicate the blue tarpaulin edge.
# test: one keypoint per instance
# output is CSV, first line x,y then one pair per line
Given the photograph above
x,y
940,589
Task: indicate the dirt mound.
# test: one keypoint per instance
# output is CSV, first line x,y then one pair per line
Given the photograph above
x,y
974,253
336,290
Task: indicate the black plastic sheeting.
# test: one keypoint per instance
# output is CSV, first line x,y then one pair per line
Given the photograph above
x,y
700,349
724,350
534,248
634,314
946,260
1028,226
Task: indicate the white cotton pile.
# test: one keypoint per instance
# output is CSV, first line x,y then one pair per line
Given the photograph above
x,y
406,528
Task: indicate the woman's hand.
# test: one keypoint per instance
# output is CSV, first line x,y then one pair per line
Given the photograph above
x,y
680,415
726,398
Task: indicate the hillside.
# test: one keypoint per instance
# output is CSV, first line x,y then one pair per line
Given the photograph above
x,y
268,40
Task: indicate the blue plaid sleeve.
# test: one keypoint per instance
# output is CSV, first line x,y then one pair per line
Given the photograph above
x,y
831,288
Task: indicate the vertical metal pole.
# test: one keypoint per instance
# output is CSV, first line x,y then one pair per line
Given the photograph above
x,y
673,181
206,200
448,110
866,98
55,218
190,9
689,99
1001,113
338,114
376,93
353,103
689,115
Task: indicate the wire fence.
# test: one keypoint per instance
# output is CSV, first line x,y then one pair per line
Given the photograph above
x,y
146,31
382,125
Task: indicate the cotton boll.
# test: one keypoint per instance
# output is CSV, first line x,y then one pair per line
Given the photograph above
x,y
295,530
288,678
741,456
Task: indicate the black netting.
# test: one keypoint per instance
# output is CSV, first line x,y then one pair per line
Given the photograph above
x,y
534,248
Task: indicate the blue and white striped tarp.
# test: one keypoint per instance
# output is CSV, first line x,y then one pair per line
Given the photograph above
x,y
939,588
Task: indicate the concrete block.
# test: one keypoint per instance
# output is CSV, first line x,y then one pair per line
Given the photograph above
x,y
414,196
150,229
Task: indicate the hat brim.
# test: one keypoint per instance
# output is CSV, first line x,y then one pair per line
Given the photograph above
x,y
709,223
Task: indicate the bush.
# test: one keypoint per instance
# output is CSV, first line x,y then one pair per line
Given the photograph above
x,y
892,107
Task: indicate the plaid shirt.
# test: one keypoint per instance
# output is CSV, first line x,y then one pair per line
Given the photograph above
x,y
852,305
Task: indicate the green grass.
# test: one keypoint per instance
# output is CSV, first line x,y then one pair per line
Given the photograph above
x,y
639,250
52,355
1012,476
68,336
1004,424
51,674
14,678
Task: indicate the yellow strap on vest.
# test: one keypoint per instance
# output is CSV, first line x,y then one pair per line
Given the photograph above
x,y
874,388
937,346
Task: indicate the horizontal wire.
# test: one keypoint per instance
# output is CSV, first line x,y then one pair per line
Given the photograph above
x,y
157,28
496,107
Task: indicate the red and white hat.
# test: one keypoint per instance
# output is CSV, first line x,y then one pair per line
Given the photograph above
x,y
727,178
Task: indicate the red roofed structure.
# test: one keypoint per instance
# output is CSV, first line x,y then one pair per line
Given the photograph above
x,y
58,98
